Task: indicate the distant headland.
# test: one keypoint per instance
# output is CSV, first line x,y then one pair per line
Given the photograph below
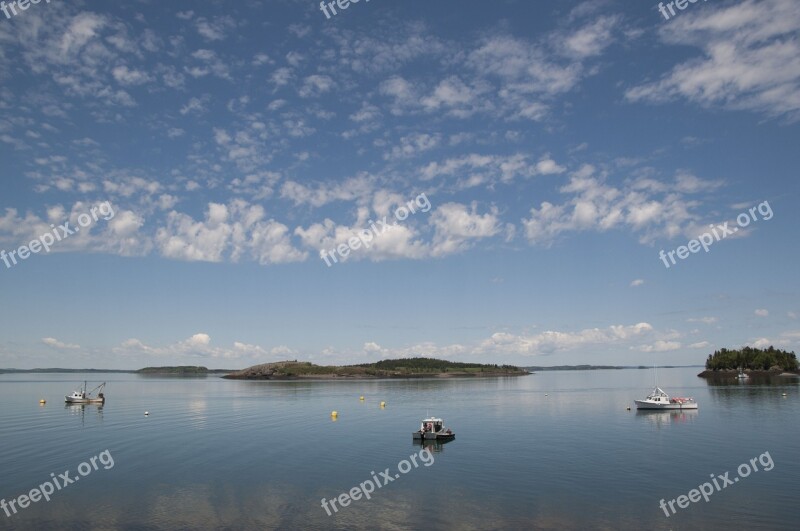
x,y
399,368
753,361
187,370
182,370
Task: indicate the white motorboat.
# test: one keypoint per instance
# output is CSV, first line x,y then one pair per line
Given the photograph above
x,y
658,399
433,429
80,396
742,375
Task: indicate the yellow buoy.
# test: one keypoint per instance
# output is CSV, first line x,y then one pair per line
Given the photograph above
x,y
361,398
334,413
43,401
383,404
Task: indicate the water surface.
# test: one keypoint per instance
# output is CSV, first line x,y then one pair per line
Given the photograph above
x,y
554,450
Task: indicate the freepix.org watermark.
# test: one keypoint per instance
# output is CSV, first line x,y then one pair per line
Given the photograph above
x,y
368,487
56,483
23,5
365,236
61,232
718,232
343,4
680,4
707,489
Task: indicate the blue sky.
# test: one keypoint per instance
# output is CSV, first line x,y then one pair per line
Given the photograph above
x,y
561,147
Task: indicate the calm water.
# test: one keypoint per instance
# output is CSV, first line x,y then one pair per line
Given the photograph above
x,y
218,454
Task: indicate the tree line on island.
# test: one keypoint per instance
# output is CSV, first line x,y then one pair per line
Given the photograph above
x,y
754,359
396,368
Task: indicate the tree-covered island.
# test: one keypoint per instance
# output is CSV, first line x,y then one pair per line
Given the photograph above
x,y
749,359
399,368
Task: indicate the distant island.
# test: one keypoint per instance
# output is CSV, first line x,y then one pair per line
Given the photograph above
x,y
180,370
725,362
183,370
600,367
399,368
577,368
58,370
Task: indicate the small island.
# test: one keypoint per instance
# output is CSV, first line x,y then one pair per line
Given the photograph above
x,y
399,368
753,361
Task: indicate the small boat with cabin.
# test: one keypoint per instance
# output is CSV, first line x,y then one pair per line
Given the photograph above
x,y
658,399
80,396
433,429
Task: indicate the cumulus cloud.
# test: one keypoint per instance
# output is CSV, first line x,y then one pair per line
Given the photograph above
x,y
228,231
650,208
458,226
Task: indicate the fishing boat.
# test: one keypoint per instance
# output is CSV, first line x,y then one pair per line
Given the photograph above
x,y
80,396
658,399
433,429
742,375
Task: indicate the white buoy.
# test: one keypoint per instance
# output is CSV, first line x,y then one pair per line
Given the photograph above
x,y
146,413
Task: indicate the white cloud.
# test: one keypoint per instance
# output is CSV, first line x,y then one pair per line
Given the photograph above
x,y
553,341
706,320
761,312
127,76
228,232
458,226
215,29
762,342
52,342
412,145
700,345
354,188
315,86
589,40
661,346
649,208
636,283
197,346
750,59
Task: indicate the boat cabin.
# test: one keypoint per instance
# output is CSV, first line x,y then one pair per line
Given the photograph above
x,y
658,396
432,424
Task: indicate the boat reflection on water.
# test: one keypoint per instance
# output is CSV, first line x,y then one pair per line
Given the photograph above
x,y
80,409
432,446
671,416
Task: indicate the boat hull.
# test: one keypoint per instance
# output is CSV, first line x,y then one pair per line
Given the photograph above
x,y
70,400
643,404
428,436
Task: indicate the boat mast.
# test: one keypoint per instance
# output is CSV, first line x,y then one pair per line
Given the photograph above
x,y
655,372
